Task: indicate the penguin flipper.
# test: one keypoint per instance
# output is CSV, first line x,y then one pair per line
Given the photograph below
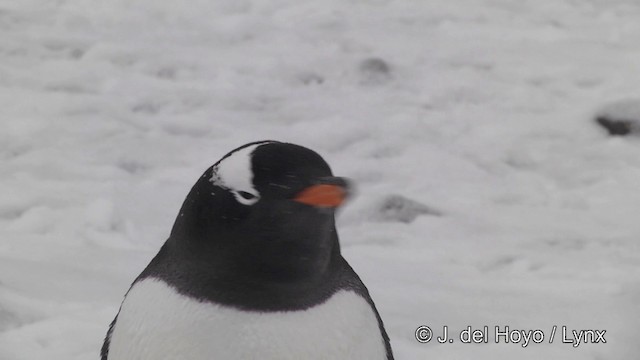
x,y
104,352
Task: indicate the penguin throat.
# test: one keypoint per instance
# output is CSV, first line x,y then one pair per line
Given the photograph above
x,y
291,261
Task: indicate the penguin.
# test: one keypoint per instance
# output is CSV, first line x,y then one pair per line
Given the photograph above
x,y
252,269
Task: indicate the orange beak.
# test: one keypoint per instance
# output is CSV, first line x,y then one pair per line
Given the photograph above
x,y
322,195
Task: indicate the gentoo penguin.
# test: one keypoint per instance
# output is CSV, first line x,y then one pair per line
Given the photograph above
x,y
252,270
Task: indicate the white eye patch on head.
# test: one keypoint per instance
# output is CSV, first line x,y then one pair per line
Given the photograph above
x,y
234,174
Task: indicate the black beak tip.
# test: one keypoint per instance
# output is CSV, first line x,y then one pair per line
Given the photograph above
x,y
345,183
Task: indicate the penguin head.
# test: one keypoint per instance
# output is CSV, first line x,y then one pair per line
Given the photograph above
x,y
266,208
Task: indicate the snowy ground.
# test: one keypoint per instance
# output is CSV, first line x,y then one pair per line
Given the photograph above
x,y
111,110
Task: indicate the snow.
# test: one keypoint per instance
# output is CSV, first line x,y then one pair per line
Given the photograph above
x,y
627,109
480,109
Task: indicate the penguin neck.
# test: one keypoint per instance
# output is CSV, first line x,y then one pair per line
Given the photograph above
x,y
278,257
290,261
278,260
205,274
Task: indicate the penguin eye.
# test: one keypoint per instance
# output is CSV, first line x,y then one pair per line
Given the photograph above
x,y
247,196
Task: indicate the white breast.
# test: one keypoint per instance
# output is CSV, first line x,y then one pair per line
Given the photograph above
x,y
157,323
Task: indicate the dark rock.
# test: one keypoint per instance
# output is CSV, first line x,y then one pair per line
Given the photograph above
x,y
132,167
615,127
374,71
397,208
620,118
310,78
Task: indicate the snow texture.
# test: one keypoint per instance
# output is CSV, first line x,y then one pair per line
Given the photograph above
x,y
483,110
628,109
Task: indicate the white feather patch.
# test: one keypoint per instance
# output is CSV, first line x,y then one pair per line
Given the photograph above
x,y
157,323
234,173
